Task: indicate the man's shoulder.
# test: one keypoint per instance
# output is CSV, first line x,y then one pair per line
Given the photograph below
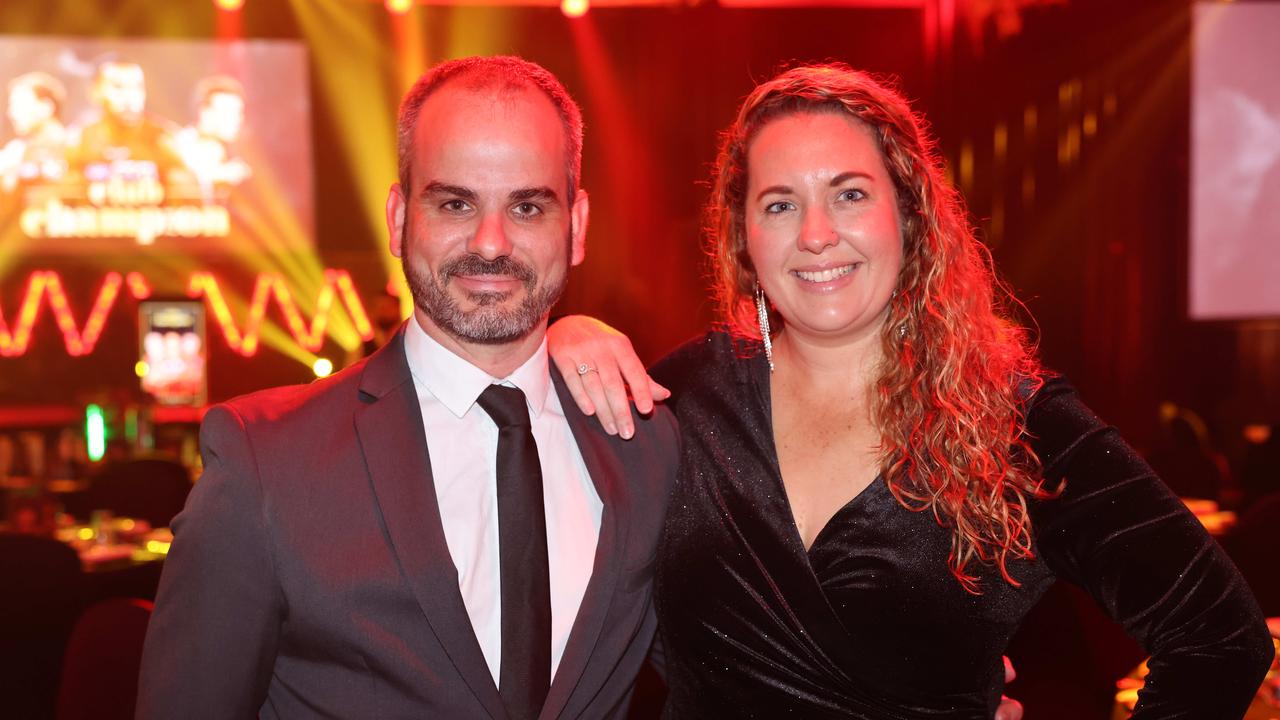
x,y
287,404
658,429
656,439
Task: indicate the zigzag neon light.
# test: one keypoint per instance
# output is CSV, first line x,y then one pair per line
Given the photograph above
x,y
268,285
43,284
47,284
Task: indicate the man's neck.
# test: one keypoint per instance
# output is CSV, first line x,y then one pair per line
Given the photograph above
x,y
499,360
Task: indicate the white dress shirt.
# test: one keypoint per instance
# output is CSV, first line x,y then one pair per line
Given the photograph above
x,y
463,443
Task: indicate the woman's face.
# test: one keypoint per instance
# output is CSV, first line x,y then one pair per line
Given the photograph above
x,y
822,225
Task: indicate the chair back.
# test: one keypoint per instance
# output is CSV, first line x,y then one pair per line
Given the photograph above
x,y
1254,546
152,489
41,594
100,669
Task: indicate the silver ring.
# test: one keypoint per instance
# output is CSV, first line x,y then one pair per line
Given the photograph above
x,y
584,368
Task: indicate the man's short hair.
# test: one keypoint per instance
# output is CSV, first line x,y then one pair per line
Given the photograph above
x,y
503,72
45,87
213,85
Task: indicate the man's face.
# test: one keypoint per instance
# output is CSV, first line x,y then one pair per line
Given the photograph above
x,y
485,233
122,90
26,110
222,115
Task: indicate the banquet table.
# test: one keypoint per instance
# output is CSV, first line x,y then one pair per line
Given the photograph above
x,y
122,560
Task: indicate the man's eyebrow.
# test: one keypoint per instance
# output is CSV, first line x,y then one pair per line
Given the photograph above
x,y
436,188
534,193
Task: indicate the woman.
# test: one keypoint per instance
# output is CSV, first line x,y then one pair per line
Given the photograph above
x,y
878,485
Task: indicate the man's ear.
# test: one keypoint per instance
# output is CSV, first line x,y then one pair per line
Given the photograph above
x,y
578,227
396,208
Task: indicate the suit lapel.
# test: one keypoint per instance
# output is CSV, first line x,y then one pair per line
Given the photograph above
x,y
389,427
607,476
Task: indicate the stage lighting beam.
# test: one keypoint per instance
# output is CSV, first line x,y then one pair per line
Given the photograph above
x,y
574,8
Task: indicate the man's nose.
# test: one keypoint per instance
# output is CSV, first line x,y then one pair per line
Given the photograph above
x,y
490,240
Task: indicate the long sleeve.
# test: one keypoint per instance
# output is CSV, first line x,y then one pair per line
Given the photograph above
x,y
211,643
1120,533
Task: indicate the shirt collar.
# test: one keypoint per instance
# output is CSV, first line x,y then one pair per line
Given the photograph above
x,y
457,383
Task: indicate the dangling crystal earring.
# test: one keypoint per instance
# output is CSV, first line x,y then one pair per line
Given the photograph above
x,y
762,314
902,328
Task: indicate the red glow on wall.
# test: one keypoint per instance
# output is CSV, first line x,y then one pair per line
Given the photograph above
x,y
45,287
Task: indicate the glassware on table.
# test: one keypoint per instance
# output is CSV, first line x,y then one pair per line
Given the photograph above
x,y
102,522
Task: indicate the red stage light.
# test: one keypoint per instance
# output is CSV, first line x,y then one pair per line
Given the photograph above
x,y
228,5
575,8
399,7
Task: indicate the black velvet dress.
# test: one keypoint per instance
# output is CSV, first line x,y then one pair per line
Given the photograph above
x,y
869,623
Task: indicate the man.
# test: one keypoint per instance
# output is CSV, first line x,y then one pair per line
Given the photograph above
x,y
205,146
124,131
353,549
37,151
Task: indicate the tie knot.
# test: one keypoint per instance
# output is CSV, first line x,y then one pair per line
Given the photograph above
x,y
505,405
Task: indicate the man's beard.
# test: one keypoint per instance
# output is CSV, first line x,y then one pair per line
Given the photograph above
x,y
487,323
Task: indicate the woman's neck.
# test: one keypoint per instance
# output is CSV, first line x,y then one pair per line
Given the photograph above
x,y
822,364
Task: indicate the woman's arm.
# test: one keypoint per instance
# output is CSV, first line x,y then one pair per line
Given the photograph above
x,y
599,365
1120,533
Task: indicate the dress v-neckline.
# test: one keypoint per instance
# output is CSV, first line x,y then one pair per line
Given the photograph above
x,y
760,376
826,530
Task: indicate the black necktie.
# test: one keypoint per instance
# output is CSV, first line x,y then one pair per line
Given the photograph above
x,y
524,676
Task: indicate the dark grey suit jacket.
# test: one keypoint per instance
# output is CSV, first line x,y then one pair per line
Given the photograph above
x,y
309,575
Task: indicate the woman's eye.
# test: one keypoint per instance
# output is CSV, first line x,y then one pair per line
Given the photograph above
x,y
779,207
853,195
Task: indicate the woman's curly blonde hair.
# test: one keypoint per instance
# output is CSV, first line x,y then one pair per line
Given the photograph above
x,y
951,389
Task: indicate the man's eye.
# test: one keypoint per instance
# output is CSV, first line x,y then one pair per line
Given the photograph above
x,y
779,207
527,209
454,206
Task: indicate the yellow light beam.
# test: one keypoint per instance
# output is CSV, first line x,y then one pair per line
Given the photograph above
x,y
351,58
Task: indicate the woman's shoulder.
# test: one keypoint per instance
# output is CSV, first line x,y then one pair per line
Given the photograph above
x,y
708,358
1057,420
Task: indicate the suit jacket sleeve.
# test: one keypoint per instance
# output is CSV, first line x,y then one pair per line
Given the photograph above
x,y
211,643
1120,533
